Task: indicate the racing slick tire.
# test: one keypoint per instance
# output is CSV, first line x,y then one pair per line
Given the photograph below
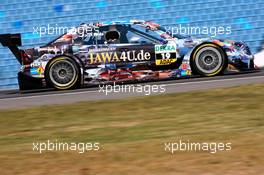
x,y
208,60
63,73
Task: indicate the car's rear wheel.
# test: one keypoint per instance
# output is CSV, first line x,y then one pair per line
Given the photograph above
x,y
63,73
208,60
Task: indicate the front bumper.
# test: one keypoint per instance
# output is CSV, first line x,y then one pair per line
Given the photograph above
x,y
242,62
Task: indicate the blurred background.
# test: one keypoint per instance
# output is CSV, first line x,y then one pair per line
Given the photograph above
x,y
246,17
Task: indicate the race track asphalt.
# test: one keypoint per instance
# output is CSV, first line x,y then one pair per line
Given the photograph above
x,y
14,99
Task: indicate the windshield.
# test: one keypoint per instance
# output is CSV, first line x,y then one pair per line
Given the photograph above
x,y
154,33
160,32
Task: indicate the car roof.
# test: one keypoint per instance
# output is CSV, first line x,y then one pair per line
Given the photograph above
x,y
147,24
121,22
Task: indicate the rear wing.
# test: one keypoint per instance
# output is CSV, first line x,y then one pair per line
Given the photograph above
x,y
12,41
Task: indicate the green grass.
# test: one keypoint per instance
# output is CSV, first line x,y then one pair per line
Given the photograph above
x,y
132,133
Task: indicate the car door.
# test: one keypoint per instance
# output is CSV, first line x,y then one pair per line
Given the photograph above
x,y
137,46
119,46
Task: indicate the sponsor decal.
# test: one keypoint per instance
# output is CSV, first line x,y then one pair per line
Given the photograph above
x,y
188,72
102,49
115,57
165,48
36,71
40,70
165,54
184,73
184,66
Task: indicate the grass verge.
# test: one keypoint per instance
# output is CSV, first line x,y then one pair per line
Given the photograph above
x,y
132,133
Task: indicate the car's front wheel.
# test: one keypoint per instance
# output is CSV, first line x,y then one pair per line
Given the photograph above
x,y
63,73
208,60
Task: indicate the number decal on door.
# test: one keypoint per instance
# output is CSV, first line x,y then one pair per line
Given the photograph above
x,y
165,54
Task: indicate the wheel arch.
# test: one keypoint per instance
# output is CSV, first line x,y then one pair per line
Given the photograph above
x,y
76,59
192,52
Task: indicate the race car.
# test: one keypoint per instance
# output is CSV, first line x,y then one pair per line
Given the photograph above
x,y
74,58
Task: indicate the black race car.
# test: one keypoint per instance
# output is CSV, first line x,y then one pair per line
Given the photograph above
x,y
122,51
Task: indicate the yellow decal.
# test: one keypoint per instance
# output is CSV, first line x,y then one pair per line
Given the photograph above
x,y
165,61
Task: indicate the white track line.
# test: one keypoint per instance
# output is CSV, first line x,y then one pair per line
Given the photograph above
x,y
209,81
170,84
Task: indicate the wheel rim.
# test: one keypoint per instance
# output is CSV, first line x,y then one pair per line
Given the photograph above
x,y
62,73
209,60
